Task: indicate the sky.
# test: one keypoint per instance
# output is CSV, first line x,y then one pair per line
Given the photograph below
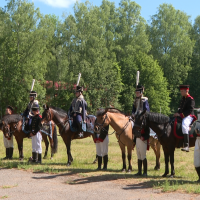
x,y
148,7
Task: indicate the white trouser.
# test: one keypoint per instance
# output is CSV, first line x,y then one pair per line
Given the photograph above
x,y
197,153
8,143
37,143
102,147
141,147
186,123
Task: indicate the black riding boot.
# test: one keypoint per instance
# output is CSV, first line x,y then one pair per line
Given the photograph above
x,y
105,162
10,153
34,156
99,162
186,143
139,168
39,161
80,129
145,167
7,154
198,172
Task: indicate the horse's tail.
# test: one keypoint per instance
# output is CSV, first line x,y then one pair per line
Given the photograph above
x,y
55,140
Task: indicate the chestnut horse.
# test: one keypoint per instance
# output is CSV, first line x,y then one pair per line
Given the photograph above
x,y
61,119
123,131
14,123
162,126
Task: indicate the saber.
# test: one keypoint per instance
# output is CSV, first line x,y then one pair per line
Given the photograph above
x,y
137,77
33,82
79,77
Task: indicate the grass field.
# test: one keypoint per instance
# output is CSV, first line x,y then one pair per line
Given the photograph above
x,y
83,152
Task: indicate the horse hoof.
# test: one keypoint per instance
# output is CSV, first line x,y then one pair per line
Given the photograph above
x,y
164,175
171,176
68,164
20,159
123,170
51,158
156,168
129,170
45,157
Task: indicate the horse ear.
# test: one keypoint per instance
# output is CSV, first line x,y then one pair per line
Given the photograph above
x,y
46,107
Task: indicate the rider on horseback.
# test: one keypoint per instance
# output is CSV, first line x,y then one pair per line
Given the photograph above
x,y
186,112
141,104
78,110
28,112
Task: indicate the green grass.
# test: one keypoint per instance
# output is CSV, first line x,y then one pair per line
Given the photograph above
x,y
84,151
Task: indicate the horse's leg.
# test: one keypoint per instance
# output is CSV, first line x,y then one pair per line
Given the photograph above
x,y
172,164
123,156
46,145
166,154
158,145
68,145
20,147
129,149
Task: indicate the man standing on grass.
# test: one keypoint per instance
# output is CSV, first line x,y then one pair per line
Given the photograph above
x,y
186,112
8,142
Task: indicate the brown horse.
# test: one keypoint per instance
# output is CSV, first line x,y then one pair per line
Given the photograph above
x,y
162,126
123,131
14,123
61,119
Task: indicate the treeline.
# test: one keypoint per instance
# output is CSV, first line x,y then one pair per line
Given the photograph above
x,y
107,44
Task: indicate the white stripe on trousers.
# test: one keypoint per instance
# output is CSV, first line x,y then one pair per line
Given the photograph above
x,y
197,153
102,147
8,143
37,143
141,147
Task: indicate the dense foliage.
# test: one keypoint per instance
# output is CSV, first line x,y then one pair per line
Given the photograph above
x,y
107,44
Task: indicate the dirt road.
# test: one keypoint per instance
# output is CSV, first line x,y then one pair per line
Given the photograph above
x,y
23,185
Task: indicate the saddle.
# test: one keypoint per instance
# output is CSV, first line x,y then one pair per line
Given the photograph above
x,y
86,127
177,128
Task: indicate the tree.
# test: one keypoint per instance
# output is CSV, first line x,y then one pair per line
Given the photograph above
x,y
169,34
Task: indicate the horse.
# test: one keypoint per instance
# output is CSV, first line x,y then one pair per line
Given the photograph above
x,y
14,123
61,119
123,131
163,127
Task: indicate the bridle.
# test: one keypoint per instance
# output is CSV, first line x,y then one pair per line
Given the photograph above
x,y
8,129
101,125
143,124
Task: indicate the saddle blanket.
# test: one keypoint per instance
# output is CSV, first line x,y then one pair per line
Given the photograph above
x,y
177,129
47,129
86,127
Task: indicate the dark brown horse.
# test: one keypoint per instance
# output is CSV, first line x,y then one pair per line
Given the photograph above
x,y
162,126
14,123
61,119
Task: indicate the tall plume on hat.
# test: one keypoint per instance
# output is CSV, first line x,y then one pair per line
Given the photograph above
x,y
137,77
79,77
33,83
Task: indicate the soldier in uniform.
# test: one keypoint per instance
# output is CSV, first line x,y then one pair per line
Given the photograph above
x,y
186,112
36,135
141,104
78,109
28,112
8,142
102,141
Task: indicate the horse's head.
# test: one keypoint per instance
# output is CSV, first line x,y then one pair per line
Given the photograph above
x,y
6,129
102,120
139,123
47,115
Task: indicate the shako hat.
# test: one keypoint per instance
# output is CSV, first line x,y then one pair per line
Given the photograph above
x,y
10,107
184,87
140,88
33,94
35,106
79,88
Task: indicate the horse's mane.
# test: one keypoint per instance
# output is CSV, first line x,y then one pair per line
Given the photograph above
x,y
59,110
11,118
102,112
157,118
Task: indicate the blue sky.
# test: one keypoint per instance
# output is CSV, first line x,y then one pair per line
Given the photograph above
x,y
149,7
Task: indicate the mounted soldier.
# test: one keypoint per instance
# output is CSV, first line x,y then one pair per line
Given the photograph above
x,y
78,108
142,143
27,115
186,112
